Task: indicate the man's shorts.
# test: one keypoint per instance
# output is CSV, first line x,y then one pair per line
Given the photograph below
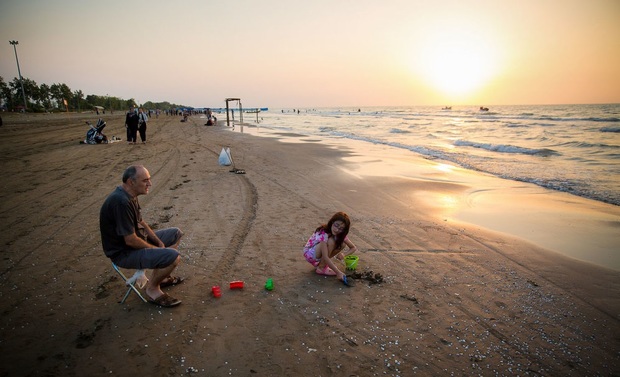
x,y
155,258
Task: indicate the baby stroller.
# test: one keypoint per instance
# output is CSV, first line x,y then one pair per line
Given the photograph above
x,y
94,135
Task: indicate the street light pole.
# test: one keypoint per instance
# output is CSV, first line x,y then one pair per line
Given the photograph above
x,y
14,43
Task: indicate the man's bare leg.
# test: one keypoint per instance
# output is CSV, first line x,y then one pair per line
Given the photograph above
x,y
153,290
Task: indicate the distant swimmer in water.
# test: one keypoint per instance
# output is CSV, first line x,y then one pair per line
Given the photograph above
x,y
484,108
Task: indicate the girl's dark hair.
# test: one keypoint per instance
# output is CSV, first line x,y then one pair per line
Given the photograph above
x,y
338,216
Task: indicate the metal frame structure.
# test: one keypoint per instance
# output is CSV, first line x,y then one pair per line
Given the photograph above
x,y
233,113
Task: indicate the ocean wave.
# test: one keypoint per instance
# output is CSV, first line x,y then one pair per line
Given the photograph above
x,y
544,152
413,148
543,124
575,187
576,159
517,125
399,131
611,120
577,119
496,116
584,144
556,116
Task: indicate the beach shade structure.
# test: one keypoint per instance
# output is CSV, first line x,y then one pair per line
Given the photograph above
x,y
138,278
238,100
254,111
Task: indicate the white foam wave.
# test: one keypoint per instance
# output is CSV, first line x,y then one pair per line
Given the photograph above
x,y
506,148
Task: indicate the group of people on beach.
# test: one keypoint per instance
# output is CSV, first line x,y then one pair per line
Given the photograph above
x,y
131,243
135,121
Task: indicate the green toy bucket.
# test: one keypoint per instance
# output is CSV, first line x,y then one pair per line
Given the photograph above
x,y
351,261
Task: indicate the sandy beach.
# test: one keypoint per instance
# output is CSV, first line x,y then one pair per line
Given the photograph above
x,y
457,297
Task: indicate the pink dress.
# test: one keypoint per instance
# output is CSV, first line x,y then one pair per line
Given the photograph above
x,y
313,241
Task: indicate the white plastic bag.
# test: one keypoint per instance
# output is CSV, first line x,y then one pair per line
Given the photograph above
x,y
138,278
224,159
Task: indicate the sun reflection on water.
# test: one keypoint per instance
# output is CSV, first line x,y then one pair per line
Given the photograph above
x,y
444,168
448,201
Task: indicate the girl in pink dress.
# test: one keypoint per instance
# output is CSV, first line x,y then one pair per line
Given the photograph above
x,y
327,242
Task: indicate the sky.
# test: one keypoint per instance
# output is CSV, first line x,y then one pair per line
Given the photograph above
x,y
320,53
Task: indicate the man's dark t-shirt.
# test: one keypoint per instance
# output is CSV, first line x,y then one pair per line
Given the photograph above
x,y
132,120
119,217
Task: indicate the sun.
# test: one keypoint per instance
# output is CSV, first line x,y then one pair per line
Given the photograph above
x,y
457,68
456,61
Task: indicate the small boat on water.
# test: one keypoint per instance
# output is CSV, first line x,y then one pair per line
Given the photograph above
x,y
447,108
484,108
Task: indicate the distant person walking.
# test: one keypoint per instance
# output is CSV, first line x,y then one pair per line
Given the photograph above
x,y
131,123
142,119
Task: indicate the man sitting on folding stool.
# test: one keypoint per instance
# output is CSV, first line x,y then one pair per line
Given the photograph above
x,y
129,241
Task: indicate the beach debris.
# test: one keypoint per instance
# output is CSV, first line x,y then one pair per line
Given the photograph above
x,y
533,283
237,171
350,341
369,276
165,218
410,298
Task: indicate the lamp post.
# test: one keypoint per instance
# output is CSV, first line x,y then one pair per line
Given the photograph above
x,y
14,43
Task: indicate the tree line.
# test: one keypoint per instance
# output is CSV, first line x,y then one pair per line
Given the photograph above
x,y
59,97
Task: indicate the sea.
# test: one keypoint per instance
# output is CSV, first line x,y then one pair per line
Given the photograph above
x,y
568,148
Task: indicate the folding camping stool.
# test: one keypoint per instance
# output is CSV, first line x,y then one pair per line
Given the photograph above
x,y
130,282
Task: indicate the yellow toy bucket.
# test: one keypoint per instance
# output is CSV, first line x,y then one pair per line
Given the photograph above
x,y
351,261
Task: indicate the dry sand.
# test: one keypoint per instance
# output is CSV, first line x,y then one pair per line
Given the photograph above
x,y
456,299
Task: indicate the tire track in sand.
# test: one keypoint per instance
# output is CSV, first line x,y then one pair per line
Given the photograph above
x,y
237,240
249,193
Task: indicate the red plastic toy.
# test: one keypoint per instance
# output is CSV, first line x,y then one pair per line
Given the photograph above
x,y
238,284
216,291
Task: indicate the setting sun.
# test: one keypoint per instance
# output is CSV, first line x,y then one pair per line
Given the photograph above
x,y
455,60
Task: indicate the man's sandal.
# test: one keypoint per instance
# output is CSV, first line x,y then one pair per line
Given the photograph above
x,y
170,281
164,300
